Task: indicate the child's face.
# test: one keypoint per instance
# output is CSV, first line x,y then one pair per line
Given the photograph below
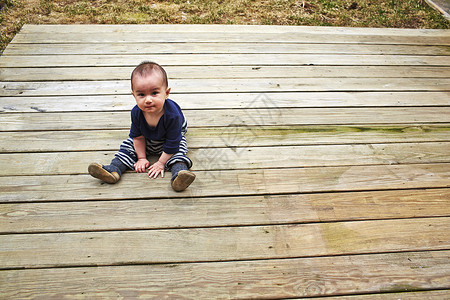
x,y
150,92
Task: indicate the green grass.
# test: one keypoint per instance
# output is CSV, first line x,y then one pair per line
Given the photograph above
x,y
350,13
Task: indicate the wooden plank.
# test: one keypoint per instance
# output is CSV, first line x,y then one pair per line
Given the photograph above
x,y
244,157
250,85
429,295
434,38
286,278
122,73
229,117
220,47
228,183
229,100
236,243
24,61
214,28
103,140
283,278
222,211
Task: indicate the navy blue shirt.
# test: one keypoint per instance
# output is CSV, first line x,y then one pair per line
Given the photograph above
x,y
168,128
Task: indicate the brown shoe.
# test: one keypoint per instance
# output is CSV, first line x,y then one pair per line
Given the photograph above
x,y
183,180
97,171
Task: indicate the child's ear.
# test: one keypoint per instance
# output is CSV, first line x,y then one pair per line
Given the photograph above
x,y
168,92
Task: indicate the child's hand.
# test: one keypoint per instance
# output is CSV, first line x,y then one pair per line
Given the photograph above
x,y
141,165
156,169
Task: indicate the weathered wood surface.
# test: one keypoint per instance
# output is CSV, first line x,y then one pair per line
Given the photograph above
x,y
228,117
321,154
247,85
225,59
441,38
227,211
229,183
221,47
243,158
235,243
213,137
211,28
429,295
197,101
259,71
239,280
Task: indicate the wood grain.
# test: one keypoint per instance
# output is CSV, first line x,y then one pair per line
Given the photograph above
x,y
245,157
228,182
132,60
248,85
227,117
438,37
17,49
214,28
198,101
236,243
222,211
108,140
285,278
195,72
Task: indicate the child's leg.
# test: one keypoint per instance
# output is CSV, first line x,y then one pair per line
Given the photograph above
x,y
123,160
126,154
181,176
109,173
179,164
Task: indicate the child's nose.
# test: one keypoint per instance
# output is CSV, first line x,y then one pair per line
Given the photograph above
x,y
148,99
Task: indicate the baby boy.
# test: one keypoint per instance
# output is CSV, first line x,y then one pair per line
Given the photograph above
x,y
158,127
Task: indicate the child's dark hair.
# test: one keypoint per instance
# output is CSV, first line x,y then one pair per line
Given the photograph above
x,y
146,68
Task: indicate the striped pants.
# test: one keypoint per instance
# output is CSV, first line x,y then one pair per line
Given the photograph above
x,y
128,155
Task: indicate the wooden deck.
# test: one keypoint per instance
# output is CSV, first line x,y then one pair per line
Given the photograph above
x,y
322,158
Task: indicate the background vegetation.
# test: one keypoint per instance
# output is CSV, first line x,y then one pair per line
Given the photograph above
x,y
354,13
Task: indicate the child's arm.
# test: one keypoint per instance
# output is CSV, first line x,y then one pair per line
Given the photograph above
x,y
158,167
139,146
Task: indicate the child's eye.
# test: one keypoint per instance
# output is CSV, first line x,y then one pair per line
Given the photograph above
x,y
155,93
141,95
